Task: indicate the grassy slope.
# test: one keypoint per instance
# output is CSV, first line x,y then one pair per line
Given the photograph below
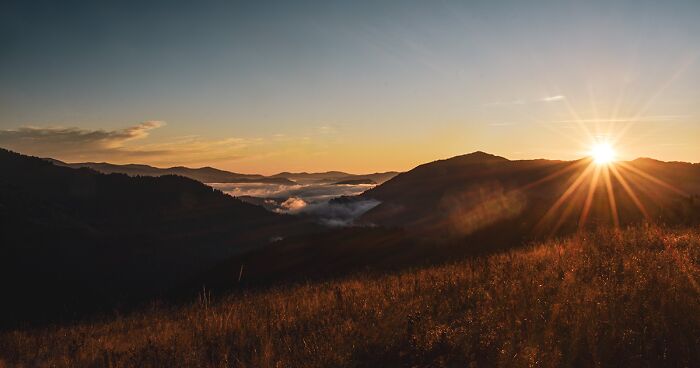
x,y
627,298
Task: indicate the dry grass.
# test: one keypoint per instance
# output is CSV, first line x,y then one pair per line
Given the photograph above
x,y
608,299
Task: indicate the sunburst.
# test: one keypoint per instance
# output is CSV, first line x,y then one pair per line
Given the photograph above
x,y
603,153
596,173
623,185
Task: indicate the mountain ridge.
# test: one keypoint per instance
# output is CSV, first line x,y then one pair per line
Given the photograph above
x,y
205,174
208,174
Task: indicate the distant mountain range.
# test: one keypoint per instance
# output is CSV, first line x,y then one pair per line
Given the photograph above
x,y
213,175
356,182
204,174
332,177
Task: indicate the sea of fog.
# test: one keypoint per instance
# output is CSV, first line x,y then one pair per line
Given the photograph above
x,y
309,199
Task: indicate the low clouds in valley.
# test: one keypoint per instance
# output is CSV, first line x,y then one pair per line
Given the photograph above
x,y
309,199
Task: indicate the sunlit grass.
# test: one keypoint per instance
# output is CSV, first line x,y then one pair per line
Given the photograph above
x,y
627,298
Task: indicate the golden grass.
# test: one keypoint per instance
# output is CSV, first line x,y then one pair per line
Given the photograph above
x,y
627,298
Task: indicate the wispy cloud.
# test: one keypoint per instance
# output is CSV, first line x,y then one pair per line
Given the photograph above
x,y
121,145
553,98
520,101
326,129
73,141
650,118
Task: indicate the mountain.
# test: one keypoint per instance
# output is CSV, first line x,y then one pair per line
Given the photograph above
x,y
204,174
76,240
213,175
330,177
356,182
477,192
377,178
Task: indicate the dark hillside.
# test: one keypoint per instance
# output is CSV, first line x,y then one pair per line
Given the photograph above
x,y
73,239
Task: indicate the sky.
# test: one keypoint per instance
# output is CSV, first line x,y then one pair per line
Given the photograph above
x,y
359,86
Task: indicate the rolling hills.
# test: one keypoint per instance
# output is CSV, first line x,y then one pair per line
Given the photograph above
x,y
76,239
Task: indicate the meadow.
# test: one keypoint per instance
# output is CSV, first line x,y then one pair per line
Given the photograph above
x,y
607,298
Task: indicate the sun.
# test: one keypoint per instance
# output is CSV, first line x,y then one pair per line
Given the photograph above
x,y
603,153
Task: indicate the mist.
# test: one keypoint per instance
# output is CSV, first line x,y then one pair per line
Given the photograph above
x,y
307,199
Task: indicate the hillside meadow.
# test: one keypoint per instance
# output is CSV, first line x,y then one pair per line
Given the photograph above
x,y
608,298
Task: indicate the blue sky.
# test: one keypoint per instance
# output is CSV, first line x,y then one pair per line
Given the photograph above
x,y
359,86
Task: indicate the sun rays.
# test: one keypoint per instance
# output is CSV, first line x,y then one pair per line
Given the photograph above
x,y
602,187
600,181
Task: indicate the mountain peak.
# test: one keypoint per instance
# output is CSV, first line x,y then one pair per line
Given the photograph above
x,y
479,156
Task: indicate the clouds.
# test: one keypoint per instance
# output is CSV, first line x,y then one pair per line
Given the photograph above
x,y
141,130
330,213
553,98
293,205
76,139
58,141
339,214
128,145
629,119
522,102
311,193
137,144
312,199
